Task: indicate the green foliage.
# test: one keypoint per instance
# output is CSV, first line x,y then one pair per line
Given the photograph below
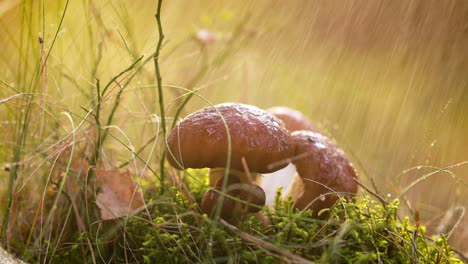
x,y
358,231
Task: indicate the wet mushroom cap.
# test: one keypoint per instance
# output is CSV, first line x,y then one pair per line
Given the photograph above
x,y
200,140
293,119
324,169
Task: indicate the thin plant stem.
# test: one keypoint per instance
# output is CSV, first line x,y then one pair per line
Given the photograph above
x,y
117,98
98,123
160,90
101,137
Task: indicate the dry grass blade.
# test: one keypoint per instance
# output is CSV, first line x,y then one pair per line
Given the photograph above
x,y
4,100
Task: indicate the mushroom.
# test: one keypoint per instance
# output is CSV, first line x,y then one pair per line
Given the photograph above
x,y
292,119
325,174
258,142
252,195
201,140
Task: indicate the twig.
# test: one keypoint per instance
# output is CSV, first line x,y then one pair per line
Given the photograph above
x,y
288,256
160,91
378,196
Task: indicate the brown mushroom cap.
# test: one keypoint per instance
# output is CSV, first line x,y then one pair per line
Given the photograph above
x,y
252,194
323,169
293,119
200,140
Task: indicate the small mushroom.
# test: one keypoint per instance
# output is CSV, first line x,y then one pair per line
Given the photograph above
x,y
258,142
293,119
252,195
325,173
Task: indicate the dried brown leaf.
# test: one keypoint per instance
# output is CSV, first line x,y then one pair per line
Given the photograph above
x,y
119,196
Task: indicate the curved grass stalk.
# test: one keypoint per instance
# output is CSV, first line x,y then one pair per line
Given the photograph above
x,y
100,138
427,175
160,90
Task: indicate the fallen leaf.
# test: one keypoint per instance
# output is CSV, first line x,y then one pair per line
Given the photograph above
x,y
119,196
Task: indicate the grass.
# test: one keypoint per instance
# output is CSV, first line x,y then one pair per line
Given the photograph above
x,y
360,231
74,103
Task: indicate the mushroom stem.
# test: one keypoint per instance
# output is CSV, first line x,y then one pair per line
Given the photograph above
x,y
296,188
283,178
218,173
247,198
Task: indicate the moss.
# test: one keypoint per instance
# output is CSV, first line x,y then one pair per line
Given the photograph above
x,y
358,231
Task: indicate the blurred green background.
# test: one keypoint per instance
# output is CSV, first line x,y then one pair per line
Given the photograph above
x,y
386,79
